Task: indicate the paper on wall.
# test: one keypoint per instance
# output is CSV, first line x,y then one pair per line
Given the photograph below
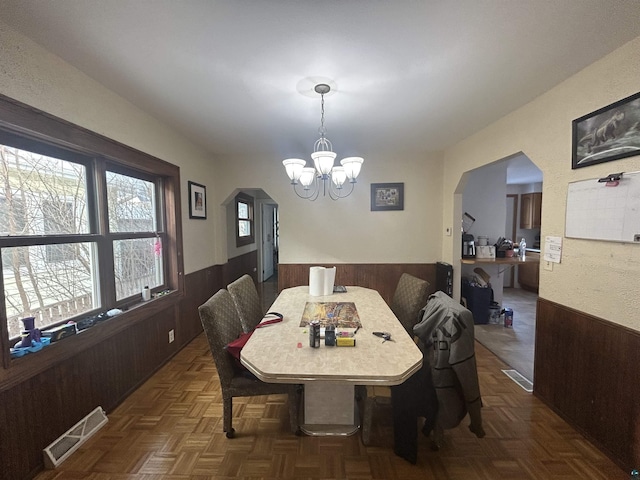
x,y
552,249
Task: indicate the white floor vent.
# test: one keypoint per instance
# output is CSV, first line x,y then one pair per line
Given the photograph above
x,y
519,379
70,441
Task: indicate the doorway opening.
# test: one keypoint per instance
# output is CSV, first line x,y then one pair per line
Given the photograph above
x,y
260,258
499,195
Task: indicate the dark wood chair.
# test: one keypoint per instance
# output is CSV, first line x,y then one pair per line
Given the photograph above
x,y
221,325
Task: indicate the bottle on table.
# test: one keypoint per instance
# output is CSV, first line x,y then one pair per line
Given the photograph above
x,y
522,248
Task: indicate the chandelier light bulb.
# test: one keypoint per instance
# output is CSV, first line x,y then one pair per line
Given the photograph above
x,y
323,161
352,166
307,177
294,167
339,176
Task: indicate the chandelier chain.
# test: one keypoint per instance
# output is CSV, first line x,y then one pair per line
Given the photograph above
x,y
322,129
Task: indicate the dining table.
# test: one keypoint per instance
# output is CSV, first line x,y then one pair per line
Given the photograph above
x,y
281,353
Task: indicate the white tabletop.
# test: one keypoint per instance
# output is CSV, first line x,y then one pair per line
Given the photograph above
x,y
273,354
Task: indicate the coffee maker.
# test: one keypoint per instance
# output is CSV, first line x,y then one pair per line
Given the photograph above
x,y
468,242
468,246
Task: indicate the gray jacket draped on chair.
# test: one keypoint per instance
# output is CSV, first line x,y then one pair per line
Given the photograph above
x,y
447,327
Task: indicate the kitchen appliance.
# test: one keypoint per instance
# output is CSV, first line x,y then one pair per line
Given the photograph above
x,y
468,246
444,278
468,241
486,251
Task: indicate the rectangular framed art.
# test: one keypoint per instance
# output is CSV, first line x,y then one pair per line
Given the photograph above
x,y
197,201
387,196
610,133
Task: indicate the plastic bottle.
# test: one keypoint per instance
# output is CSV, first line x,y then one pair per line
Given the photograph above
x,y
146,294
522,248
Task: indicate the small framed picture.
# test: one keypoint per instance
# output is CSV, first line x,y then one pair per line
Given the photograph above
x,y
387,196
197,201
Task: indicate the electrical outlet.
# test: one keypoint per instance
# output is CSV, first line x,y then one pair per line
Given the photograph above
x,y
172,336
548,265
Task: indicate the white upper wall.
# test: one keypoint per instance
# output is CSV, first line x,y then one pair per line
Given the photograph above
x,y
484,200
599,278
31,75
346,230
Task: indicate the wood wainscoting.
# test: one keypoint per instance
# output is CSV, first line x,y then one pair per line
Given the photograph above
x,y
238,266
588,371
98,367
382,277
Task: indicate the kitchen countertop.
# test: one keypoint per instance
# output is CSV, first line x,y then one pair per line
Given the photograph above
x,y
502,261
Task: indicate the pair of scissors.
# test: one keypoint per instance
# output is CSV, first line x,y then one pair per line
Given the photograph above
x,y
386,336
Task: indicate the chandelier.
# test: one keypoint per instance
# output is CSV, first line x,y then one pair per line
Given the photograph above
x,y
323,175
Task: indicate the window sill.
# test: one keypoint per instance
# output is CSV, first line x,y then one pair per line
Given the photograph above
x,y
30,365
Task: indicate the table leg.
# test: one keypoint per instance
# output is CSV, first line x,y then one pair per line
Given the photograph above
x,y
330,409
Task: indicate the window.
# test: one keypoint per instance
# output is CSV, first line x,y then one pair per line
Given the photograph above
x,y
80,234
244,220
46,265
137,262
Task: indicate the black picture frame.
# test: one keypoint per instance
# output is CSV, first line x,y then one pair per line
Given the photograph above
x,y
610,133
387,196
197,201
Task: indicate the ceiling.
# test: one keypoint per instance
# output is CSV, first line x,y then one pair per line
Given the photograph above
x,y
237,77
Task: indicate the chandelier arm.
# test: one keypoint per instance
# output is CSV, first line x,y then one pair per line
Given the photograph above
x,y
313,195
334,192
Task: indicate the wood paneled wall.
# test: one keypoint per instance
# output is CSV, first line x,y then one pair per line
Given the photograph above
x,y
588,371
238,266
36,411
382,277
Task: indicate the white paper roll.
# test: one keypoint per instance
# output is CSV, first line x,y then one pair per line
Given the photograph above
x,y
316,281
329,279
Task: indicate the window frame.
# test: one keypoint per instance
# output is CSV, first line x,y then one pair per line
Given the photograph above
x,y
34,130
248,200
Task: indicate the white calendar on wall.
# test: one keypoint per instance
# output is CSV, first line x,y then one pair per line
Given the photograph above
x,y
600,210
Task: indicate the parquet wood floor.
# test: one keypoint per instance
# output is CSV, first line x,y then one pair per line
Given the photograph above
x,y
171,429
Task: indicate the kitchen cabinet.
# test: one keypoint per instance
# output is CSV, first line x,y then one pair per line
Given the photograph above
x,y
530,210
529,273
